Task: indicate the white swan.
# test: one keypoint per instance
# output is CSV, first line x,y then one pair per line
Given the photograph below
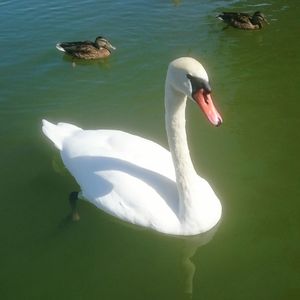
x,y
137,180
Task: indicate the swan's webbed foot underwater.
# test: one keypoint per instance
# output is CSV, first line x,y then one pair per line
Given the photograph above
x,y
73,198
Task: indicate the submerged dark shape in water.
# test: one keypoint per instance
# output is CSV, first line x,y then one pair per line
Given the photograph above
x,y
87,50
244,20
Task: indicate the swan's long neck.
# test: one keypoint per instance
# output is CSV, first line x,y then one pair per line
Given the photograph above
x,y
175,103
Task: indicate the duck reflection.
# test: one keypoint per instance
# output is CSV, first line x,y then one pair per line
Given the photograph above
x,y
101,63
176,2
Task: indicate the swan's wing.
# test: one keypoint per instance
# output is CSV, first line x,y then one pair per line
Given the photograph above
x,y
122,146
125,175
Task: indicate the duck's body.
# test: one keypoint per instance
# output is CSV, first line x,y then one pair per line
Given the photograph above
x,y
137,180
243,20
87,50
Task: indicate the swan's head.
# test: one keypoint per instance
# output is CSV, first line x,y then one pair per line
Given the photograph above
x,y
187,76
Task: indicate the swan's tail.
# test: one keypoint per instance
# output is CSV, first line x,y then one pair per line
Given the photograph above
x,y
57,133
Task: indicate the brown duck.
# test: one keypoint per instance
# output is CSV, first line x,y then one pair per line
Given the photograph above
x,y
87,50
244,20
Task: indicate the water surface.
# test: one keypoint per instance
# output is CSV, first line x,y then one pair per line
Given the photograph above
x,y
251,161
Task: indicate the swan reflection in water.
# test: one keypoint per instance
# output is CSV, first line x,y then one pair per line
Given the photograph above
x,y
190,245
187,247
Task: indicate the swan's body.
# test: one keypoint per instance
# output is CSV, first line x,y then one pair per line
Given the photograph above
x,y
87,50
136,179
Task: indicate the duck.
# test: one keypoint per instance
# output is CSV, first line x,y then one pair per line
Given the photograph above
x,y
244,20
87,49
136,179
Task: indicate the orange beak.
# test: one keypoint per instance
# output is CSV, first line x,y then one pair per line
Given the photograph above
x,y
206,104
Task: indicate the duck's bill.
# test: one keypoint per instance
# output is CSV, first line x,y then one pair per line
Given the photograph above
x,y
206,104
110,46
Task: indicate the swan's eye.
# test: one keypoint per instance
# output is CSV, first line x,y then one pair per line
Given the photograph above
x,y
199,83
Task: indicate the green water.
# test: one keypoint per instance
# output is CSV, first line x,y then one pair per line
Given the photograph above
x,y
251,161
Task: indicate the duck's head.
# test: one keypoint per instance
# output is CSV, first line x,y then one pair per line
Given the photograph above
x,y
102,42
259,19
187,76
